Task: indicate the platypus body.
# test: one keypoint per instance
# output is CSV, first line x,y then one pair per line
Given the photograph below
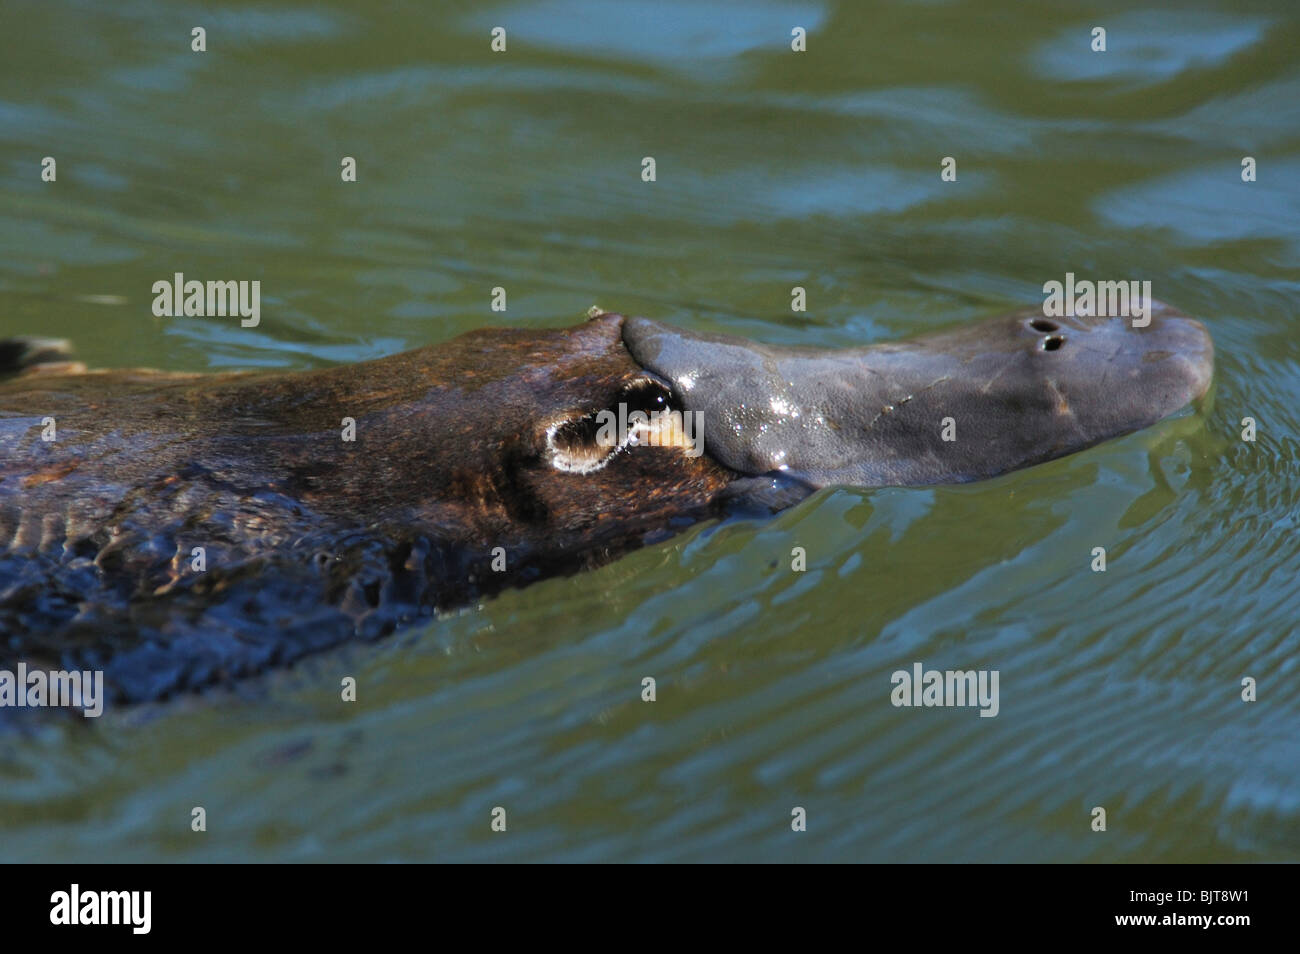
x,y
177,531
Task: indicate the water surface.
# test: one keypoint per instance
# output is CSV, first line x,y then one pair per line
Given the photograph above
x,y
774,169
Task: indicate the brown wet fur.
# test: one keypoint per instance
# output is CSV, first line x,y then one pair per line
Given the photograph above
x,y
309,539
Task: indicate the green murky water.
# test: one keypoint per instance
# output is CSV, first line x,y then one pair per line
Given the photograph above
x,y
1118,689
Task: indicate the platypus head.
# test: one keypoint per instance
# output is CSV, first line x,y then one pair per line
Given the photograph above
x,y
639,425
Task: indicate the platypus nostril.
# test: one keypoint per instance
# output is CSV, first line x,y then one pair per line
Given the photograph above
x,y
1053,342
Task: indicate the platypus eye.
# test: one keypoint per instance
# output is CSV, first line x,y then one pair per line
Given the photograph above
x,y
645,412
647,394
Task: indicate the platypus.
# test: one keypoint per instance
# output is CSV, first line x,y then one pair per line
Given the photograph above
x,y
181,530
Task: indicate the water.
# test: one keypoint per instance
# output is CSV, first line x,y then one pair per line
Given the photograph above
x,y
522,170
